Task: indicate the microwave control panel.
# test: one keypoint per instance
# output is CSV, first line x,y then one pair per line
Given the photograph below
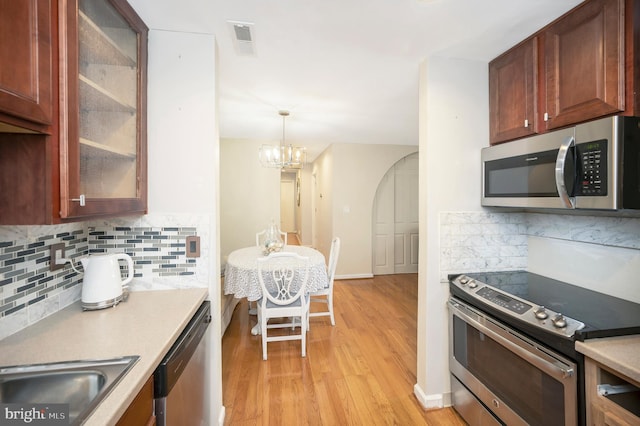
x,y
591,162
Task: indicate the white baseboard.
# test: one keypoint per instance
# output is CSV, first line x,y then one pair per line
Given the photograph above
x,y
221,416
353,276
229,306
428,402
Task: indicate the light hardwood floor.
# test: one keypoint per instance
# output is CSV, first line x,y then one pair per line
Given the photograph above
x,y
360,372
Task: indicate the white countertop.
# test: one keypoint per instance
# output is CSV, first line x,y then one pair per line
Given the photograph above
x,y
146,325
621,354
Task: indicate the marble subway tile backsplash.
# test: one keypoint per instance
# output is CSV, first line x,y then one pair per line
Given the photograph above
x,y
621,232
488,241
480,241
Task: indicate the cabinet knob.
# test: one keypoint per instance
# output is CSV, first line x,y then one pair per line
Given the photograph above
x,y
81,200
526,123
546,116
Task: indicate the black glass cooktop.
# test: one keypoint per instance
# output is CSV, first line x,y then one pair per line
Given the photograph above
x,y
603,315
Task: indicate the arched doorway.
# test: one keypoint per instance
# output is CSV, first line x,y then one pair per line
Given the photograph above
x,y
395,219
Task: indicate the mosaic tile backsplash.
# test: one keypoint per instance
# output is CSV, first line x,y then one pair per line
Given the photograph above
x,y
29,291
155,251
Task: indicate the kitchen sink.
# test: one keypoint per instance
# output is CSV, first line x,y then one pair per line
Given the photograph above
x,y
80,384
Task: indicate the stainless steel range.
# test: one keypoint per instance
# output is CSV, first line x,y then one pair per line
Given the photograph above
x,y
512,346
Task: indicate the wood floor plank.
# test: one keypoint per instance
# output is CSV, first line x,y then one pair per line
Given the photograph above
x,y
360,372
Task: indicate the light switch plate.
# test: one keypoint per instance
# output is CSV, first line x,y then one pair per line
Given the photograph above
x,y
193,246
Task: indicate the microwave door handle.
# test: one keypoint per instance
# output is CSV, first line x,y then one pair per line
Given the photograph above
x,y
561,161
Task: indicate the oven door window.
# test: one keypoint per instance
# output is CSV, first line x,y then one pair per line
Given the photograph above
x,y
537,397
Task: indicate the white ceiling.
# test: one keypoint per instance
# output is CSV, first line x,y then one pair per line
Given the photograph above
x,y
347,70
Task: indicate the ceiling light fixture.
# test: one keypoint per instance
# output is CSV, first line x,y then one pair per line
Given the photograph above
x,y
283,156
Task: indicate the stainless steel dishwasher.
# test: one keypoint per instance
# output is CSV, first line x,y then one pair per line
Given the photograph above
x,y
179,380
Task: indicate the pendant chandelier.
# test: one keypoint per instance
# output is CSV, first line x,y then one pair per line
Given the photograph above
x,y
283,156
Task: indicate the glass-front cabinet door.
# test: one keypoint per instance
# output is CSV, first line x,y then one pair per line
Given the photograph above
x,y
103,116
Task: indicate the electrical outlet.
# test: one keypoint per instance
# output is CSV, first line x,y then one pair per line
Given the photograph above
x,y
57,252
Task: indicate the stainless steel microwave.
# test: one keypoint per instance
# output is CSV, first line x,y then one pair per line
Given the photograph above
x,y
594,165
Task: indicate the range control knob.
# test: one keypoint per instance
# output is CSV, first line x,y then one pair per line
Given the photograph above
x,y
464,280
559,321
541,313
473,284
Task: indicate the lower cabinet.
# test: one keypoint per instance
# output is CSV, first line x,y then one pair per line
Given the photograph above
x,y
612,398
140,412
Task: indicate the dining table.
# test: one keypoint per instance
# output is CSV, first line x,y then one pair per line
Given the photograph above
x,y
241,272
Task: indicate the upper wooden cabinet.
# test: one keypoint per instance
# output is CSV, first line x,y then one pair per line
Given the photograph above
x,y
73,139
26,64
584,64
512,92
577,65
103,115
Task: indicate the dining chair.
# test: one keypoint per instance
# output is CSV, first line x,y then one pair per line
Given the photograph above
x,y
261,234
283,278
259,243
325,295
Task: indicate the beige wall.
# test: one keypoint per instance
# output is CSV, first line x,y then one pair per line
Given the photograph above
x,y
453,129
347,178
305,233
337,193
249,194
183,159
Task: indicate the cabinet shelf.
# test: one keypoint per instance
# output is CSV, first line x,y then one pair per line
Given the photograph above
x,y
99,47
98,147
100,99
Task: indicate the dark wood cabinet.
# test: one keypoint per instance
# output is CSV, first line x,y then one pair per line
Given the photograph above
x,y
580,67
27,58
513,92
103,135
27,179
585,64
140,411
72,111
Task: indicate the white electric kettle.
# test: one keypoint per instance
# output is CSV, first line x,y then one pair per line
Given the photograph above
x,y
102,286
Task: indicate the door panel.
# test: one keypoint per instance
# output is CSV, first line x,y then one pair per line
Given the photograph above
x,y
406,214
383,227
584,54
395,248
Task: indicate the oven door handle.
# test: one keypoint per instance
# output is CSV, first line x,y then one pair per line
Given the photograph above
x,y
513,341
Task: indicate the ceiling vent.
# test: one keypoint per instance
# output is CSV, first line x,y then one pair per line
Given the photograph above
x,y
242,34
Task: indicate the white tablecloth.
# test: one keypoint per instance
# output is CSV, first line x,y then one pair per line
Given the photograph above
x,y
241,272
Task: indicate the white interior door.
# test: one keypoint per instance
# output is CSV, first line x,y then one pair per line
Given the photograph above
x,y
287,206
406,215
395,247
383,240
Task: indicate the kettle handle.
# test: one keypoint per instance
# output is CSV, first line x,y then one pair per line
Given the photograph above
x,y
130,271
